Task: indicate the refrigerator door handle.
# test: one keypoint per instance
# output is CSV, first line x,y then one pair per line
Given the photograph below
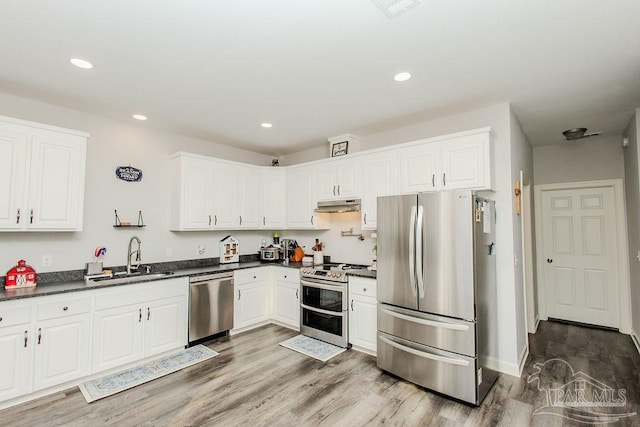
x,y
412,251
452,326
423,354
419,255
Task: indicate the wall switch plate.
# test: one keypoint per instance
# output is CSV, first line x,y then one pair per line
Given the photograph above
x,y
47,260
200,249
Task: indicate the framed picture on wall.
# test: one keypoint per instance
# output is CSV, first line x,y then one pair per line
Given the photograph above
x,y
339,148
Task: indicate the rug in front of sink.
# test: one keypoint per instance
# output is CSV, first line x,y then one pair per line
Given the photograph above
x,y
148,371
312,347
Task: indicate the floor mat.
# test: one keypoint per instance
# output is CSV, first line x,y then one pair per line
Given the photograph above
x,y
115,383
312,347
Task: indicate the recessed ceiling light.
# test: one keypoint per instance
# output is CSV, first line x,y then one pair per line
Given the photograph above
x,y
402,77
266,125
139,117
81,63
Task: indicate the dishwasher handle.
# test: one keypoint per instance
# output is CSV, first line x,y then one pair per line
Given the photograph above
x,y
210,277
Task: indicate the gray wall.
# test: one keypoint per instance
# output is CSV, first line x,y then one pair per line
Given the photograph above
x,y
632,196
591,159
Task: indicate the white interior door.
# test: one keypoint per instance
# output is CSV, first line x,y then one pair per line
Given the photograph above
x,y
580,255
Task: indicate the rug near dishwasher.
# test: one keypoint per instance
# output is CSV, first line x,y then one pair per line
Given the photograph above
x,y
115,383
312,347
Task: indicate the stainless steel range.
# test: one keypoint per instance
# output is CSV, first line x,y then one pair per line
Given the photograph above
x,y
324,304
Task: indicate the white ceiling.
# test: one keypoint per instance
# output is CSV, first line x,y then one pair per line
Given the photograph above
x,y
321,68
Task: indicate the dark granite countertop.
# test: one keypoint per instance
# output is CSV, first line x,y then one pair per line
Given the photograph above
x,y
69,281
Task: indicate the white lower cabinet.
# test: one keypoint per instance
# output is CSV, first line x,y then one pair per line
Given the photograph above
x,y
363,314
252,298
154,322
286,297
15,351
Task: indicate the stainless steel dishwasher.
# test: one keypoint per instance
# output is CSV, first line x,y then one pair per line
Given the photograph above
x,y
210,305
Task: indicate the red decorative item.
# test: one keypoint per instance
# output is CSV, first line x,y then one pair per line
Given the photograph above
x,y
20,276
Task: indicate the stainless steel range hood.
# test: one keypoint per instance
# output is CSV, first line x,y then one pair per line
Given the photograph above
x,y
344,205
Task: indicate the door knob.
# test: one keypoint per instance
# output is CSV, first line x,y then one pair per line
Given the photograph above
x,y
549,260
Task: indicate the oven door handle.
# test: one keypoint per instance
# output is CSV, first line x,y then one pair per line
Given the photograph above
x,y
319,310
338,287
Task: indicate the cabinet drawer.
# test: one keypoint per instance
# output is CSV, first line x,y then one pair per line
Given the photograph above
x,y
10,316
251,275
63,307
291,275
364,287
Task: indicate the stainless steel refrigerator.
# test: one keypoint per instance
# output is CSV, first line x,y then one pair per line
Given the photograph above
x,y
437,314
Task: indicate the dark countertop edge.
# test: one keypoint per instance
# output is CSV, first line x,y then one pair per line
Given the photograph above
x,y
80,285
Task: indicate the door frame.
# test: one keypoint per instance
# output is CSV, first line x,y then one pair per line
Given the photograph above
x,y
624,290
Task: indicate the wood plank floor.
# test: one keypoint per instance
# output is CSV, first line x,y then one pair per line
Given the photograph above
x,y
256,382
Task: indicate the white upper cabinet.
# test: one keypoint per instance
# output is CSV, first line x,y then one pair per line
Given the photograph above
x,y
380,178
340,179
248,197
226,213
461,161
42,177
273,198
301,199
191,193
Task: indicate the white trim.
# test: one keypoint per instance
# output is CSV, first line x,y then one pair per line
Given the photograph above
x,y
624,291
503,367
636,339
43,126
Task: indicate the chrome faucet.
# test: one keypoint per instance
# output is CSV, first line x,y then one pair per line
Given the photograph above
x,y
136,264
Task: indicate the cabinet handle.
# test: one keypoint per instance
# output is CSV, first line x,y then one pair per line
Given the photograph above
x,y
351,305
311,219
139,315
334,190
264,220
365,219
0,318
297,294
209,219
18,216
338,189
433,180
444,179
364,289
240,219
65,308
26,338
31,217
215,220
39,335
238,294
148,313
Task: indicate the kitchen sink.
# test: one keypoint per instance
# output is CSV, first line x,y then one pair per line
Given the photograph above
x,y
128,278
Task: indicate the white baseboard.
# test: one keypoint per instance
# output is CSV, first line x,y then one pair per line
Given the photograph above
x,y
535,328
502,366
636,339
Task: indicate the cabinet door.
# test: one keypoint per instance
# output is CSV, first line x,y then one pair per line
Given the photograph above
x,y
165,325
225,199
327,182
286,303
301,200
349,178
117,337
62,350
16,344
363,322
195,207
252,304
464,163
273,206
56,185
248,198
379,179
418,169
13,151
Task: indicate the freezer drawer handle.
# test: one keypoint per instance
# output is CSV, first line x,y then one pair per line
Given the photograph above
x,y
426,355
426,322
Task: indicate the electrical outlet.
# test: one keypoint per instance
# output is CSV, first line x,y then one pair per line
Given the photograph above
x,y
169,252
200,249
47,260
